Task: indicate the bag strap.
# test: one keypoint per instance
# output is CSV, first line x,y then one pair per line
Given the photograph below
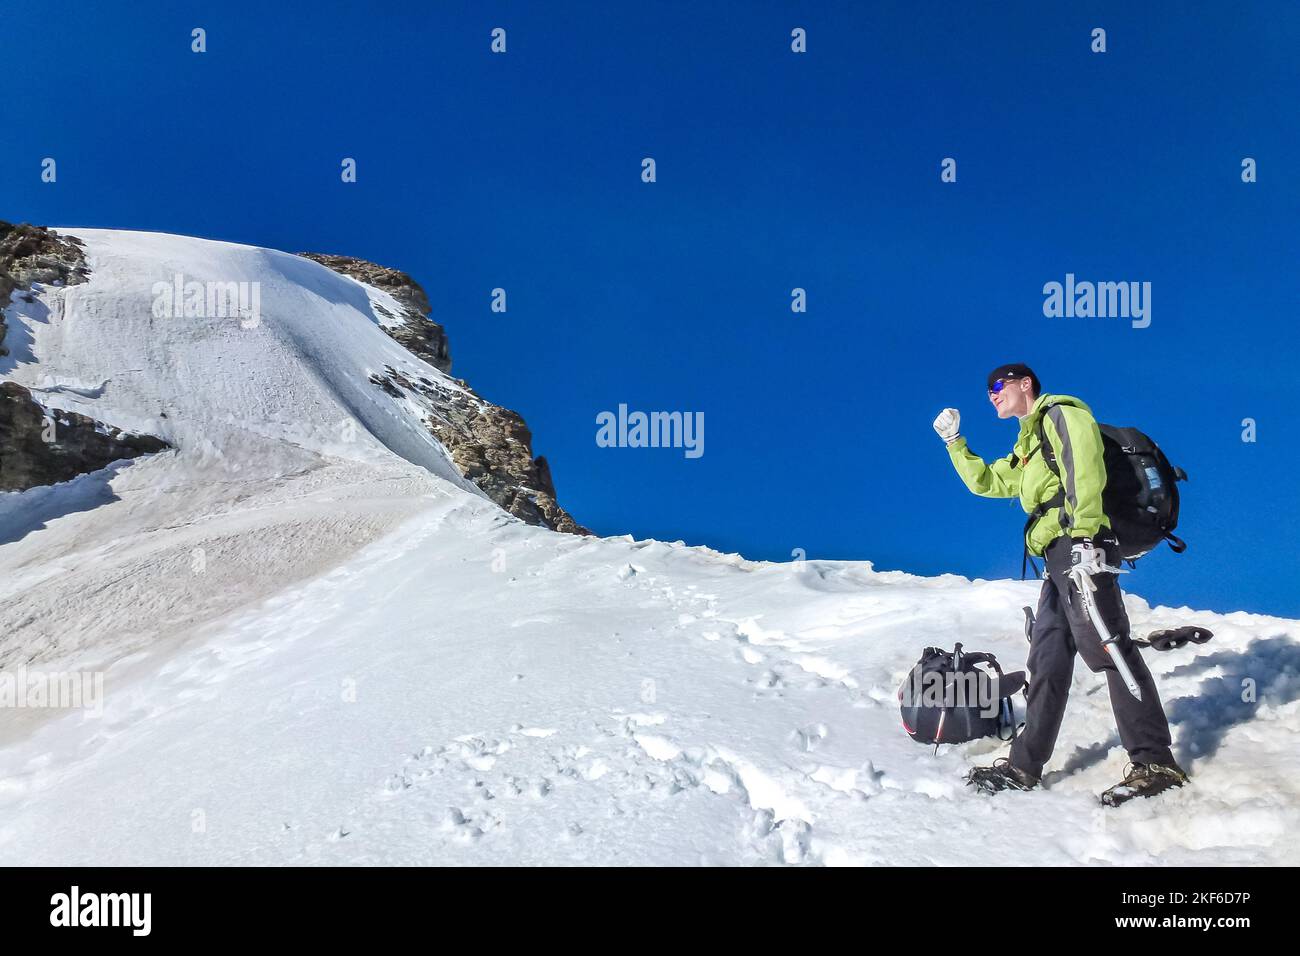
x,y
1006,709
1057,500
1007,720
982,657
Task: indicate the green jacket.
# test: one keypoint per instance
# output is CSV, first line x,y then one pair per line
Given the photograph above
x,y
1073,435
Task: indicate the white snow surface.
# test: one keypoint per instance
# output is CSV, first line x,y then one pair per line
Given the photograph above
x,y
329,651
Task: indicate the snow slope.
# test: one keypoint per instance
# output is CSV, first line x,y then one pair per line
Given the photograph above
x,y
266,421
331,652
215,387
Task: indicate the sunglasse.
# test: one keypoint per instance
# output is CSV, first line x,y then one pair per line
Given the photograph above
x,y
999,385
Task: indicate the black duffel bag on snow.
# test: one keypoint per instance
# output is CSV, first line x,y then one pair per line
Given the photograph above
x,y
949,699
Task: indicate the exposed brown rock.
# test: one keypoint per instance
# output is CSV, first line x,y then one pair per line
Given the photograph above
x,y
78,444
35,254
417,333
489,445
40,446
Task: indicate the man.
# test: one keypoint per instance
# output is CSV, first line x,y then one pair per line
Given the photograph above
x,y
1069,529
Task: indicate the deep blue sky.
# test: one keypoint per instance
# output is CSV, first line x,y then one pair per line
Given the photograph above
x,y
775,170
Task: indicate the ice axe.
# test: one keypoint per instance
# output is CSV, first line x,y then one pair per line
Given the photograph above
x,y
1083,581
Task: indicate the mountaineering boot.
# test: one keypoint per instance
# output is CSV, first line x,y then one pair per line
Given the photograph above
x,y
1001,776
1144,780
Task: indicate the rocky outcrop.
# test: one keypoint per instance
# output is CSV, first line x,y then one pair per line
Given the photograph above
x,y
40,446
413,328
30,254
492,448
489,445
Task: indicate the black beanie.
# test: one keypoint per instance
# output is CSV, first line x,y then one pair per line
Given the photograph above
x,y
1014,371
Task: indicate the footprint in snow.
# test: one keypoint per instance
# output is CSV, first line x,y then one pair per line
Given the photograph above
x,y
810,737
660,748
396,783
461,827
796,841
532,731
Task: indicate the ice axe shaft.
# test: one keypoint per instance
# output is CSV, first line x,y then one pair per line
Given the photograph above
x,y
1086,587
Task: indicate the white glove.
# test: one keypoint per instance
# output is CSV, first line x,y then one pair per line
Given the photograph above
x,y
1086,559
947,425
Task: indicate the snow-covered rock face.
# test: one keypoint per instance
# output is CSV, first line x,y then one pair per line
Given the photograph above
x,y
490,445
412,327
41,445
243,357
33,254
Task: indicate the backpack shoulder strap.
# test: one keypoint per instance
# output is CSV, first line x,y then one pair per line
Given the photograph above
x,y
1057,500
1044,446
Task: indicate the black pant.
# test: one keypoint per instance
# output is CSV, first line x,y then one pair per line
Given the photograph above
x,y
1061,627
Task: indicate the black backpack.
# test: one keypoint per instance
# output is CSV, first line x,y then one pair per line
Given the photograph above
x,y
936,698
1141,493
